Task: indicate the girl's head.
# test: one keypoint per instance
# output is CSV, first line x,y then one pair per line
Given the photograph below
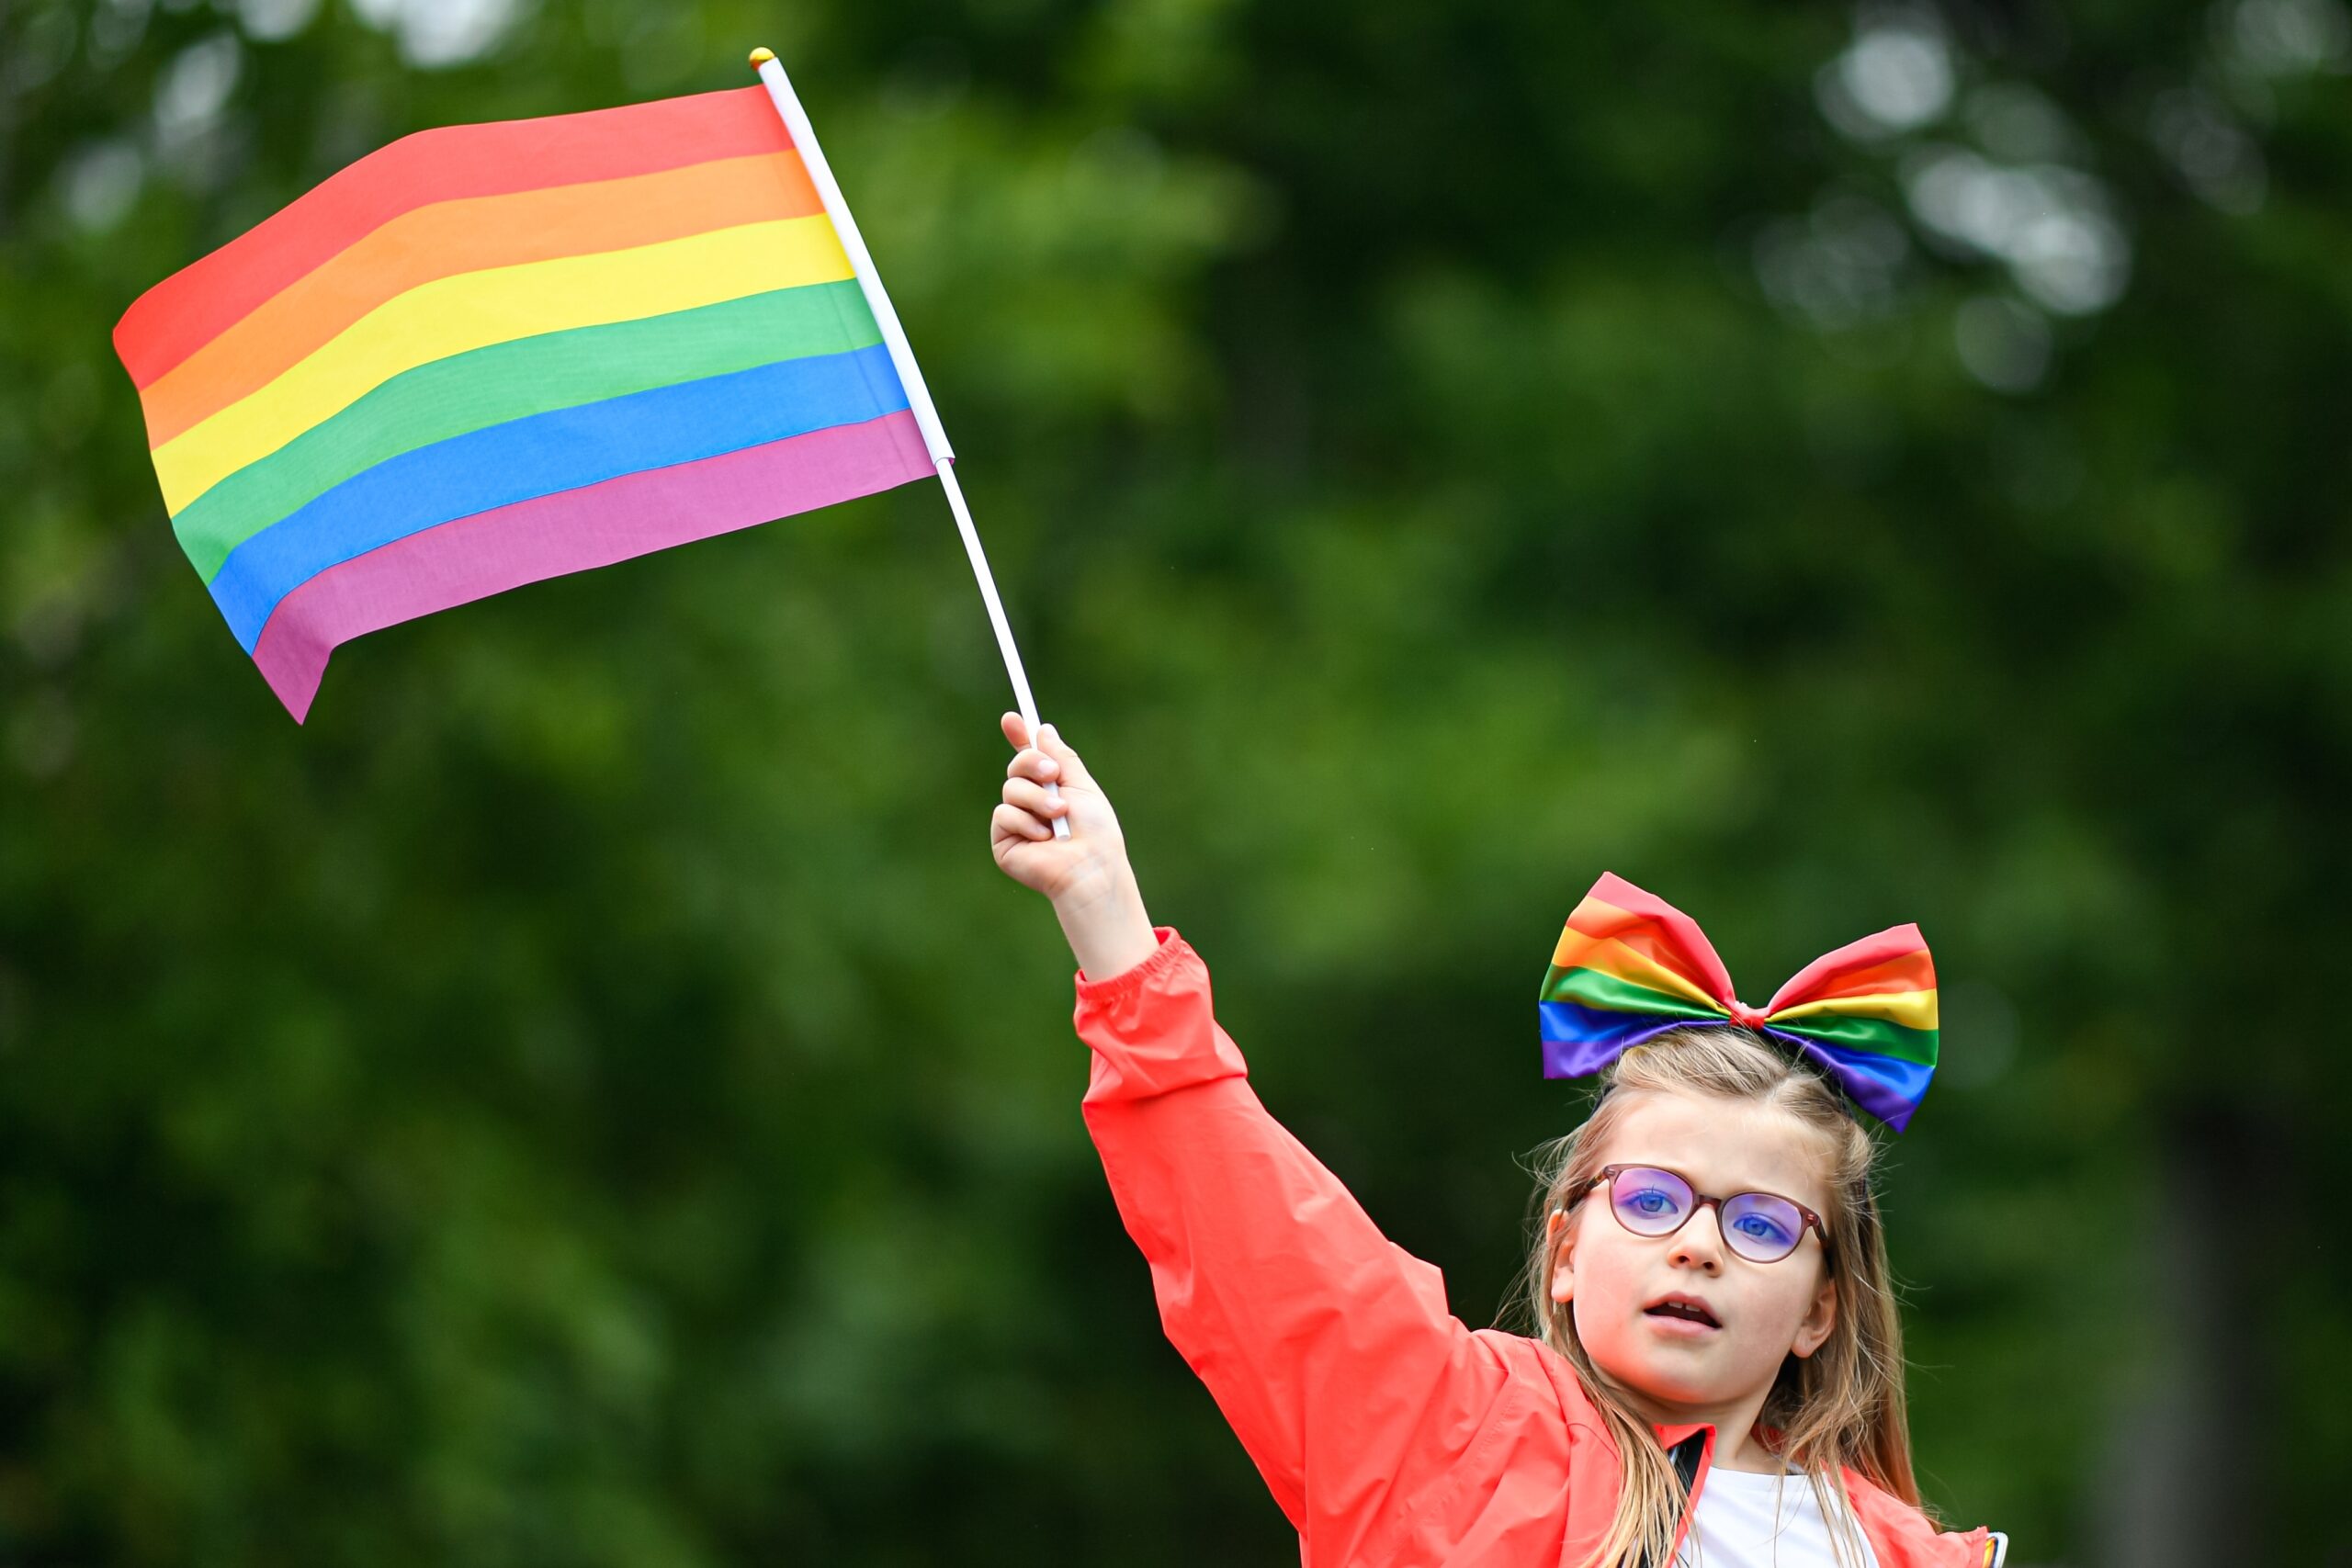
x,y
1656,1326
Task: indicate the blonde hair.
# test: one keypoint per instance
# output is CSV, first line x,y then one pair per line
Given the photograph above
x,y
1840,1408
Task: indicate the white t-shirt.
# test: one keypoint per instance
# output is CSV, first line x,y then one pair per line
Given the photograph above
x,y
1763,1521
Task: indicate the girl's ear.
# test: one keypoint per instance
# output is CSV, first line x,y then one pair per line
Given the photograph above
x,y
1819,1319
1563,1273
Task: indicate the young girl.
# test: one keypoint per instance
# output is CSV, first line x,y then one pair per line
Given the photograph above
x,y
1709,1274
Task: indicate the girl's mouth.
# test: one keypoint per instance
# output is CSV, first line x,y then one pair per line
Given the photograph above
x,y
1681,1309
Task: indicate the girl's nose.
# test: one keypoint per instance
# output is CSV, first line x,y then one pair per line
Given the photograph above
x,y
1700,1244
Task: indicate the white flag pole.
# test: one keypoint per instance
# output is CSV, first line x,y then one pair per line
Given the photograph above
x,y
894,337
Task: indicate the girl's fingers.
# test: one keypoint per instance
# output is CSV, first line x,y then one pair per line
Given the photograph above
x,y
1033,765
1049,758
1012,822
1073,770
1031,798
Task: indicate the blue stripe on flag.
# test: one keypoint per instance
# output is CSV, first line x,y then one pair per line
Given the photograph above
x,y
564,449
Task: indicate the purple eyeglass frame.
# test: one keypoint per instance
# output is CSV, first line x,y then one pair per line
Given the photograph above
x,y
1702,1200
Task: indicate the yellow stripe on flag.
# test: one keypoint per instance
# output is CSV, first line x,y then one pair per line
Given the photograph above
x,y
475,309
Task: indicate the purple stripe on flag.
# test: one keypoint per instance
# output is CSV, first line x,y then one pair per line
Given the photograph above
x,y
573,531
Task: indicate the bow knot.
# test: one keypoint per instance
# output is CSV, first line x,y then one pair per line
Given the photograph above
x,y
1630,966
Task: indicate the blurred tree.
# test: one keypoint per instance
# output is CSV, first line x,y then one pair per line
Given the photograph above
x,y
586,1098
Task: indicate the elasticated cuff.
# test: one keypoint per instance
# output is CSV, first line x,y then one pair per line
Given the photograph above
x,y
1101,993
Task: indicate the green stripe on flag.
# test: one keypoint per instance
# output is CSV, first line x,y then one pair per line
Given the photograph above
x,y
506,381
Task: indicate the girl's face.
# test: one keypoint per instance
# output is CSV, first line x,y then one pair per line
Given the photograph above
x,y
1616,1281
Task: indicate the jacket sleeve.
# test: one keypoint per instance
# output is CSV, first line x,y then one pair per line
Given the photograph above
x,y
1330,1350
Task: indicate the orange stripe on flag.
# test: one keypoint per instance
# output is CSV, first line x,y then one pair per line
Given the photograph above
x,y
472,234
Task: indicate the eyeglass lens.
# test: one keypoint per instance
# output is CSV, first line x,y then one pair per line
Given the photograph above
x,y
1756,1225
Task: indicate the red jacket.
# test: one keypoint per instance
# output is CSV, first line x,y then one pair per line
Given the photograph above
x,y
1389,1433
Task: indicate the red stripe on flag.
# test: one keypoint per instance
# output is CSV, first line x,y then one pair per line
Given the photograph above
x,y
195,304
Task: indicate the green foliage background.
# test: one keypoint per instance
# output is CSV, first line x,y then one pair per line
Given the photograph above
x,y
587,1098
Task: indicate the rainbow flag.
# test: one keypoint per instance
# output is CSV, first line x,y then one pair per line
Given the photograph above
x,y
487,355
1629,967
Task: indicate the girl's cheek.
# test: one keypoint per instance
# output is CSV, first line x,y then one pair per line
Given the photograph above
x,y
1606,1304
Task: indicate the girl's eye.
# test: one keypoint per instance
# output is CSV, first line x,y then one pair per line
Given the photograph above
x,y
1761,1228
1651,1202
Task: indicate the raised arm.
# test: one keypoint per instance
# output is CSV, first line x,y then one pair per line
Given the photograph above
x,y
1330,1350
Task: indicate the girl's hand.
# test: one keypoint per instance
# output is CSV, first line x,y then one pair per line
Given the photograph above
x,y
1021,832
1087,875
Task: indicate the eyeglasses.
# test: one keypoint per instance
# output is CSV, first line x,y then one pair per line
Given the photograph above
x,y
1762,1227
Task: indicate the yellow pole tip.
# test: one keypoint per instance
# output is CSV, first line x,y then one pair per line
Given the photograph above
x,y
760,57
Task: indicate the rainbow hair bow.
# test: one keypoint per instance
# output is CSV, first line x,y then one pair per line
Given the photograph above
x,y
1631,966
